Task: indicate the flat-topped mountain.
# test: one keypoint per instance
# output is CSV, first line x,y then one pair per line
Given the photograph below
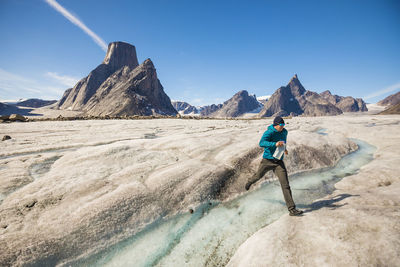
x,y
294,99
119,86
345,103
120,54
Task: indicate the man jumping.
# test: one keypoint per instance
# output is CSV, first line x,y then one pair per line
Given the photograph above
x,y
273,137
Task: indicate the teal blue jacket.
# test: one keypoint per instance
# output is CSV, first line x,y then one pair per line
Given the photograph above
x,y
269,139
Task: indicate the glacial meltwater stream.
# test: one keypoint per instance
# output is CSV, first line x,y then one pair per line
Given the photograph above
x,y
211,235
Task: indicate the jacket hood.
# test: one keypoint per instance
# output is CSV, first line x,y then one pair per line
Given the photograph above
x,y
272,128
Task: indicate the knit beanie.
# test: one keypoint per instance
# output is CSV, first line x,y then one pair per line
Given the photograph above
x,y
278,120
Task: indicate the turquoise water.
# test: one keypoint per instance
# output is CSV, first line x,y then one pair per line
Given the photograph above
x,y
211,235
322,131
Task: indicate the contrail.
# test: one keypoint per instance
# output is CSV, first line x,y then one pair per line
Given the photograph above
x,y
77,22
383,91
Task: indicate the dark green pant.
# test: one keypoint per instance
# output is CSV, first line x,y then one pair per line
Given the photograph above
x,y
280,170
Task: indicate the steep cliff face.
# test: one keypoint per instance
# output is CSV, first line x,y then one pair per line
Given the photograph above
x,y
345,104
294,99
120,54
119,86
128,92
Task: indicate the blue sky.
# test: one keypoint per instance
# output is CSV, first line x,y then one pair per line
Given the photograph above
x,y
205,51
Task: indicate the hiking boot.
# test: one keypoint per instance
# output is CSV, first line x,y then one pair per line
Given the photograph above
x,y
295,212
247,186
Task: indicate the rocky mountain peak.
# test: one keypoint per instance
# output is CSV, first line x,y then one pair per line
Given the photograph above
x,y
185,108
242,93
295,86
326,92
121,54
240,103
148,64
293,99
345,104
119,86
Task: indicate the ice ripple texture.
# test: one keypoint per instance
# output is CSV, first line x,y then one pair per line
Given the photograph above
x,y
211,235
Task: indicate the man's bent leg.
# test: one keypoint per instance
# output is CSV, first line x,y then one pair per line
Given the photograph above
x,y
265,165
281,172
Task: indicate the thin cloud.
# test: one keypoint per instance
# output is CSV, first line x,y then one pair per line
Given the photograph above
x,y
62,79
13,86
77,22
383,91
10,82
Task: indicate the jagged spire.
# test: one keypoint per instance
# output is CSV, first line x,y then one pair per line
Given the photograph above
x,y
295,86
294,78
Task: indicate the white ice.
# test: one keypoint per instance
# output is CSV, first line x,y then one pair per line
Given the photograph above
x,y
74,188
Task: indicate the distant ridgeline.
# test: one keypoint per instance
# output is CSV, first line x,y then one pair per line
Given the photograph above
x,y
119,86
35,103
23,107
289,100
294,100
